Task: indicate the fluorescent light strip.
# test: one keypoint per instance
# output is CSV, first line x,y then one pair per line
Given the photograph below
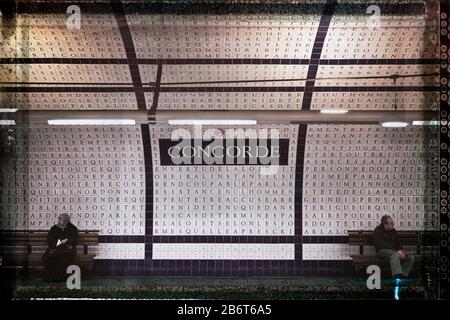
x,y
425,123
394,124
74,122
8,110
7,122
211,122
334,111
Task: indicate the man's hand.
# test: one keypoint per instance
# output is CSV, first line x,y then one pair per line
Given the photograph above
x,y
402,254
64,241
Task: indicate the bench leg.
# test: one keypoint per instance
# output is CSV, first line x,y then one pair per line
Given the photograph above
x,y
407,264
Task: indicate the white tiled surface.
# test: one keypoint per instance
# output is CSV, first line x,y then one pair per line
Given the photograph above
x,y
223,200
116,251
228,100
354,174
397,37
47,36
95,174
220,251
340,75
335,251
375,100
73,100
68,73
223,36
217,72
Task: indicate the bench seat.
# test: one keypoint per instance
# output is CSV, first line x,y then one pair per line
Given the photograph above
x,y
24,248
424,242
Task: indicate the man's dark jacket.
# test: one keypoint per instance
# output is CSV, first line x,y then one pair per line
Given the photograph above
x,y
383,239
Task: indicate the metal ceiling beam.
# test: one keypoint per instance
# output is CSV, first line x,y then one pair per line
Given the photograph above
x,y
301,116
297,116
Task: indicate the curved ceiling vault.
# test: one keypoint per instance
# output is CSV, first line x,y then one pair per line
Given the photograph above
x,y
198,55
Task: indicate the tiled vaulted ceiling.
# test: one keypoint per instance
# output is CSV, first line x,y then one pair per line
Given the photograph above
x,y
220,55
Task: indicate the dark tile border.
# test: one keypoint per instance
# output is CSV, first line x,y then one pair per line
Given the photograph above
x,y
130,51
148,161
374,61
319,42
298,209
222,268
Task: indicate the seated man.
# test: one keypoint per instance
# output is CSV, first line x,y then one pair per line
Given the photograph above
x,y
389,248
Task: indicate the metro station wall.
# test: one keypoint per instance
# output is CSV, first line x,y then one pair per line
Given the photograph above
x,y
219,220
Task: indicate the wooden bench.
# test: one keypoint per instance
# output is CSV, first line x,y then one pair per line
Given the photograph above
x,y
424,242
24,248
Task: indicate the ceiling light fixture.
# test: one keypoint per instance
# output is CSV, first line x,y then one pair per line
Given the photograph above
x,y
7,123
333,111
74,122
394,124
425,123
211,122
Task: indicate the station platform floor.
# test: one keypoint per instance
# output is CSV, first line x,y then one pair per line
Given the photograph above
x,y
310,288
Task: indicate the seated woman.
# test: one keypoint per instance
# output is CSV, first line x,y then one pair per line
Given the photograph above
x,y
62,246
